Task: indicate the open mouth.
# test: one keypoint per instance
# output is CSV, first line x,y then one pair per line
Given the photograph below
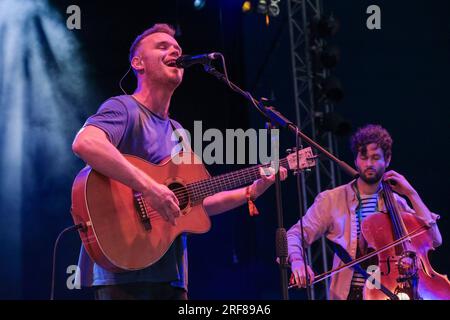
x,y
171,63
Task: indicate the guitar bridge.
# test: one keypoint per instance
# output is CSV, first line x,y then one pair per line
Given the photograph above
x,y
141,210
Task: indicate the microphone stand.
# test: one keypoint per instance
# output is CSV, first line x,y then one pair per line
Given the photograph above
x,y
279,120
276,119
280,237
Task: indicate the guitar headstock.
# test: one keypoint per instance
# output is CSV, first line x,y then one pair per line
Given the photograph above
x,y
306,159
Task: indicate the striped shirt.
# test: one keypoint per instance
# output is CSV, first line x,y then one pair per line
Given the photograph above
x,y
368,207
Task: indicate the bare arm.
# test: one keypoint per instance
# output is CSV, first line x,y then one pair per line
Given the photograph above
x,y
92,145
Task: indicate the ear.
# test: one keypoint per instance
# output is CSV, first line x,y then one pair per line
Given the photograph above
x,y
137,64
388,161
356,164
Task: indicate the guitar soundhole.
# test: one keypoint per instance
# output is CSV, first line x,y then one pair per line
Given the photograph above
x,y
181,193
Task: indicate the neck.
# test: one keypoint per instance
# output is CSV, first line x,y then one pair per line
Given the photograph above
x,y
155,98
365,188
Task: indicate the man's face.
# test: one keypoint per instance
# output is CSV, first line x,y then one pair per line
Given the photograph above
x,y
158,53
371,164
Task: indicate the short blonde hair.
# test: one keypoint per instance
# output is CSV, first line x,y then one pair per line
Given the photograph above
x,y
158,27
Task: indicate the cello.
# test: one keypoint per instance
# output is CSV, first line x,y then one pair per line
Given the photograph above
x,y
404,269
401,242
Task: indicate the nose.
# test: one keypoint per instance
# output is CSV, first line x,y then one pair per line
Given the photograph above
x,y
174,52
367,163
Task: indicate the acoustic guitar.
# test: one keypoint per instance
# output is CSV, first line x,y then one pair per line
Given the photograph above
x,y
121,232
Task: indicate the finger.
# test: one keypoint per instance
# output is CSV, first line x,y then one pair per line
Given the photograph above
x,y
266,171
392,181
392,174
262,171
307,280
175,199
170,218
302,281
389,176
172,212
311,277
297,280
176,213
293,279
175,210
162,212
283,173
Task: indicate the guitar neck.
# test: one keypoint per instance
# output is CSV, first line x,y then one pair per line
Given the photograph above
x,y
201,189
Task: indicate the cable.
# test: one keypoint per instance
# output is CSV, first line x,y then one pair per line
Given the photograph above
x,y
120,82
71,228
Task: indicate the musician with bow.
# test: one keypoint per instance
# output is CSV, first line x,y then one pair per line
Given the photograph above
x,y
339,213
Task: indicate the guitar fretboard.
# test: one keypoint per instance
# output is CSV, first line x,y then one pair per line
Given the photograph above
x,y
199,190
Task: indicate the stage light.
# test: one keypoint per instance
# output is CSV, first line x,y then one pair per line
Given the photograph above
x,y
246,6
268,8
329,56
325,26
43,93
199,4
273,8
262,7
335,123
331,88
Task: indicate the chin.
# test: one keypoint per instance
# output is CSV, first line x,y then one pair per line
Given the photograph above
x,y
371,180
175,82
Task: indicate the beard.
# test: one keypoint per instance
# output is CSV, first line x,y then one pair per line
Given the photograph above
x,y
371,178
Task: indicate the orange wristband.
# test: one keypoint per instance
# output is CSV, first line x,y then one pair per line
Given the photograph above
x,y
251,205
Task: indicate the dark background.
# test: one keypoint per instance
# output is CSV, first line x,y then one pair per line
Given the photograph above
x,y
396,77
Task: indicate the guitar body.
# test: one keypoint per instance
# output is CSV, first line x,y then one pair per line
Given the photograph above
x,y
114,235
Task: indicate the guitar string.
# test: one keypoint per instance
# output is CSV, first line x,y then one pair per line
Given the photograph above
x,y
225,180
214,185
202,189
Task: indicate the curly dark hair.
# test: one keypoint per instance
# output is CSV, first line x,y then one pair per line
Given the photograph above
x,y
368,134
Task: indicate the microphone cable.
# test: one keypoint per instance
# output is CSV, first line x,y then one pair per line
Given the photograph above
x,y
71,228
121,80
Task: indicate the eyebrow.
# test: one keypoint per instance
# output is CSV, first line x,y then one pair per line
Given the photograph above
x,y
170,44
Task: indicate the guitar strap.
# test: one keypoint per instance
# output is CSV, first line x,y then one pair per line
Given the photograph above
x,y
185,146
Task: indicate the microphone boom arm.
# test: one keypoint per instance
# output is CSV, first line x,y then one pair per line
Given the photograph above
x,y
277,118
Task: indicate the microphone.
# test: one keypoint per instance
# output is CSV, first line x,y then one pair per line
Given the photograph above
x,y
185,61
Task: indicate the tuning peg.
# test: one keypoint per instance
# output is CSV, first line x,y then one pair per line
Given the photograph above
x,y
291,150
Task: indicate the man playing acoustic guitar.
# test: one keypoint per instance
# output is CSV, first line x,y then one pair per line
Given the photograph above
x,y
139,125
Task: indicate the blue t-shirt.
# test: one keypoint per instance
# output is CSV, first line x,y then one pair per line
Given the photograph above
x,y
135,130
